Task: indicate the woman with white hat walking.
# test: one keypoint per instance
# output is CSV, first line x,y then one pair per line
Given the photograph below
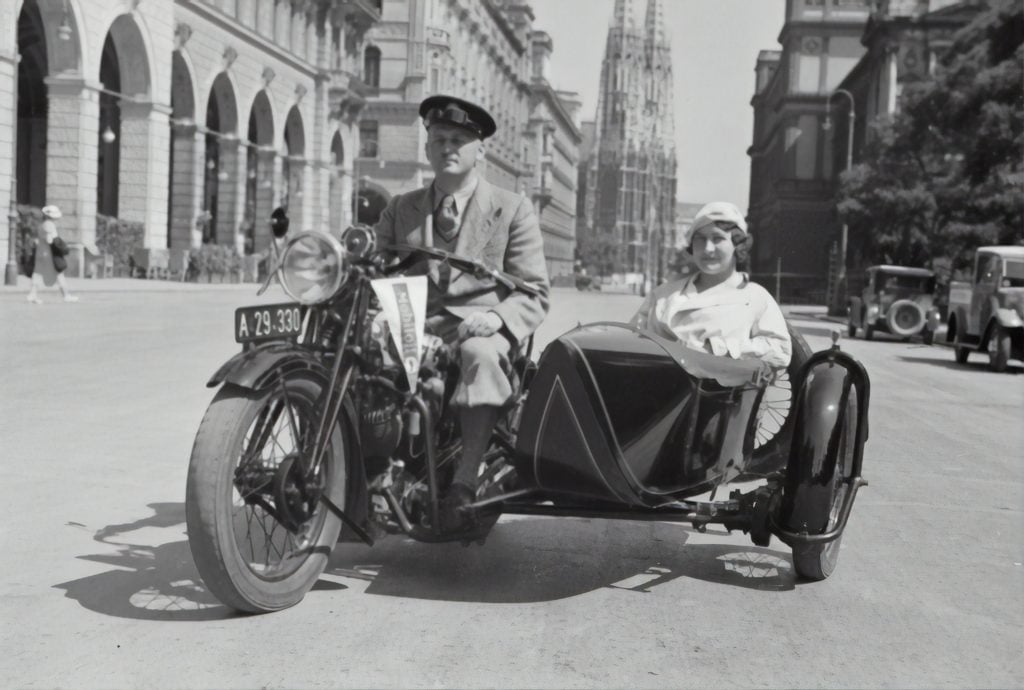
x,y
49,260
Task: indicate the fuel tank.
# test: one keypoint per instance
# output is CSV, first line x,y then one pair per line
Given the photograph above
x,y
616,414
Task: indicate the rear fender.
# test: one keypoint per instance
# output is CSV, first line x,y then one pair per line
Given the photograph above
x,y
821,405
261,367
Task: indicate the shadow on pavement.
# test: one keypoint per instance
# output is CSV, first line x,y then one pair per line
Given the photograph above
x,y
158,583
979,365
523,563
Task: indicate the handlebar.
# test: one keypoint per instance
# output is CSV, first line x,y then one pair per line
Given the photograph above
x,y
466,265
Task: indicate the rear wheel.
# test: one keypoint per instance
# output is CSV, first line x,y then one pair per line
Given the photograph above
x,y
999,345
817,561
259,535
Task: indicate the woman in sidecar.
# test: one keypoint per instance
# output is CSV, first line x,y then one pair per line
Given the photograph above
x,y
694,393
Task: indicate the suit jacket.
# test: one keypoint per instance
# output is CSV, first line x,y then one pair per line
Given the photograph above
x,y
499,229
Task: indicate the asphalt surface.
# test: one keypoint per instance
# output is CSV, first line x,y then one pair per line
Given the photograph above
x,y
99,403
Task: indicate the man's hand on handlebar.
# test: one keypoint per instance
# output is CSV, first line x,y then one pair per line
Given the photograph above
x,y
480,324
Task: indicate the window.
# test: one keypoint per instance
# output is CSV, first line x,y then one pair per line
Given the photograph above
x,y
368,131
371,66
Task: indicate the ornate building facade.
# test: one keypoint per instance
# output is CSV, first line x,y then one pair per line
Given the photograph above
x,y
791,211
629,210
180,114
488,52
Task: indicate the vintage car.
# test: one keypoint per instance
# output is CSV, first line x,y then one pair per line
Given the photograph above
x,y
898,300
987,313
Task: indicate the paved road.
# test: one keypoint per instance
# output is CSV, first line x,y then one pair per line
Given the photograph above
x,y
99,402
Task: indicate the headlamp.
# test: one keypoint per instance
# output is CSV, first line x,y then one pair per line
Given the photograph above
x,y
313,267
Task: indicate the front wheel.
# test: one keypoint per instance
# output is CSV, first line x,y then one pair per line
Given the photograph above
x,y
259,535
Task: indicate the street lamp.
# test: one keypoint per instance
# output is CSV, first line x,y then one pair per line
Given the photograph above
x,y
827,125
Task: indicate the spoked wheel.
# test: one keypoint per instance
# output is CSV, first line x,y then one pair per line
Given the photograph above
x,y
259,535
817,561
774,422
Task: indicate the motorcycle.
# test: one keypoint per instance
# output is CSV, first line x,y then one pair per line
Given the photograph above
x,y
334,422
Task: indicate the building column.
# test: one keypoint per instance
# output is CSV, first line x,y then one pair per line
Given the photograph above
x,y
300,194
72,143
187,183
143,183
230,189
8,118
265,198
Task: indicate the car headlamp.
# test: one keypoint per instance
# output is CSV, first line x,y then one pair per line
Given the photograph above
x,y
313,267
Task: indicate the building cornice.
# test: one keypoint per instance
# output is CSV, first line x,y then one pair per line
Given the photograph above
x,y
223,21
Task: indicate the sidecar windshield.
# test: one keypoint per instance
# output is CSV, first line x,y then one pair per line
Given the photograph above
x,y
726,371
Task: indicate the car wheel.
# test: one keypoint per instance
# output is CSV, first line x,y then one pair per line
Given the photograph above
x,y
998,349
869,332
960,350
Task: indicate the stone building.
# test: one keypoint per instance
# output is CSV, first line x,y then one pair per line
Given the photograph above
x,y
791,211
168,112
902,40
631,176
487,52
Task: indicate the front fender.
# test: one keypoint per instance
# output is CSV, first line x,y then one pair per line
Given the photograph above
x,y
261,366
820,407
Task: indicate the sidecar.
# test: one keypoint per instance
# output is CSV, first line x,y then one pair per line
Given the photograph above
x,y
620,423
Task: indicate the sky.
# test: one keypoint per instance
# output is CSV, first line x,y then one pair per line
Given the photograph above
x,y
714,49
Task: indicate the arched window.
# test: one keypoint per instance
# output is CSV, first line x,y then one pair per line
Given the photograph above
x,y
371,66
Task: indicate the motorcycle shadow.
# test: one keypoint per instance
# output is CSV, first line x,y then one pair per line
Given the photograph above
x,y
533,560
150,582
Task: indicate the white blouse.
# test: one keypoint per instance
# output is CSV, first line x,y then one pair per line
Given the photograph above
x,y
736,318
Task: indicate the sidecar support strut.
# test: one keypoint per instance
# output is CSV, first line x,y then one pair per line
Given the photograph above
x,y
349,522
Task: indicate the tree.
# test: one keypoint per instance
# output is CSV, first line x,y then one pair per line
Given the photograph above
x,y
946,173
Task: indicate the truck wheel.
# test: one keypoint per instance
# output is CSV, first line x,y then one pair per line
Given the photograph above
x,y
960,350
998,349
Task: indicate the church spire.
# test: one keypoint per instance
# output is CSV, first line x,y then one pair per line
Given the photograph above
x,y
654,25
624,16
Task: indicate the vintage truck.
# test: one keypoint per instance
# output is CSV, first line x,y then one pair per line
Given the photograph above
x,y
987,313
898,300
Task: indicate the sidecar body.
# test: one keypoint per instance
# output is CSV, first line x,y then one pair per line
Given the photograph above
x,y
620,415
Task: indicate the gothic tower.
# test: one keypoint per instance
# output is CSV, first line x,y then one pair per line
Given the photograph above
x,y
631,181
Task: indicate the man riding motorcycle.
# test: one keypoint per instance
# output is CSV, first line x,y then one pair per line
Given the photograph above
x,y
463,213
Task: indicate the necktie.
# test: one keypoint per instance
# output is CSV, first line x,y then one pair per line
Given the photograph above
x,y
446,220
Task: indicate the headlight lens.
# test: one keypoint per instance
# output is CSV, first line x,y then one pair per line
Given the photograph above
x,y
313,267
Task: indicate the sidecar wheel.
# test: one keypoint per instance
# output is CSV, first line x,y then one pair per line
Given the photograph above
x,y
238,503
774,418
816,562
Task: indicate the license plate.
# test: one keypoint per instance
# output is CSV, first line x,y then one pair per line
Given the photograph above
x,y
267,322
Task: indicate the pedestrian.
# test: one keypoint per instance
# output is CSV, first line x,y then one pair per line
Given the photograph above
x,y
48,261
279,232
718,309
462,213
